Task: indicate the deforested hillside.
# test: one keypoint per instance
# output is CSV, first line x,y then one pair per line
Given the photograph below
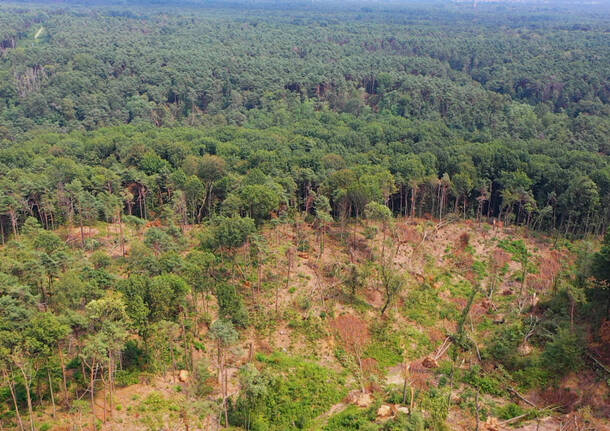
x,y
304,216
377,324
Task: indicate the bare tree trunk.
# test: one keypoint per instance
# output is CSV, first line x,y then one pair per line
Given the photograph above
x,y
144,202
289,255
523,277
277,294
14,396
92,393
476,403
413,198
121,234
464,206
38,391
405,383
209,199
64,378
13,222
104,398
110,381
386,304
26,382
185,340
51,392
224,397
140,203
361,375
219,361
82,232
171,352
572,306
383,242
412,403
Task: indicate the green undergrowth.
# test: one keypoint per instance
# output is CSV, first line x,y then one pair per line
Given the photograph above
x,y
287,393
424,306
156,410
486,383
432,416
385,346
357,419
352,418
416,342
310,326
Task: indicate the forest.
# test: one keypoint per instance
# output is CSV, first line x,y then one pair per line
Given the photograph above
x,y
304,216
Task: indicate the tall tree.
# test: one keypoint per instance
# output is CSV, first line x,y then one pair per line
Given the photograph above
x,y
225,335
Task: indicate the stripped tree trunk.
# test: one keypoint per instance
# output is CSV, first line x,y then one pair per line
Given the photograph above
x,y
14,396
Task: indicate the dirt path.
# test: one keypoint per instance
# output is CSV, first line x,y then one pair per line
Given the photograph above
x,y
395,375
39,32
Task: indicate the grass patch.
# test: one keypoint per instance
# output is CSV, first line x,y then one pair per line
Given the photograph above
x,y
310,326
155,402
416,342
385,346
157,411
423,305
461,289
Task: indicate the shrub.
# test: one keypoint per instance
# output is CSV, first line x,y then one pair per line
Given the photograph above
x,y
487,384
231,305
436,403
92,244
100,259
158,240
296,391
134,357
417,342
352,418
564,353
201,379
126,378
303,245
155,402
370,232
509,411
136,223
504,345
402,422
533,374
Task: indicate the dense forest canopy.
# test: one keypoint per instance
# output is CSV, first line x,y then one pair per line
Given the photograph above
x,y
387,181
103,67
452,87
